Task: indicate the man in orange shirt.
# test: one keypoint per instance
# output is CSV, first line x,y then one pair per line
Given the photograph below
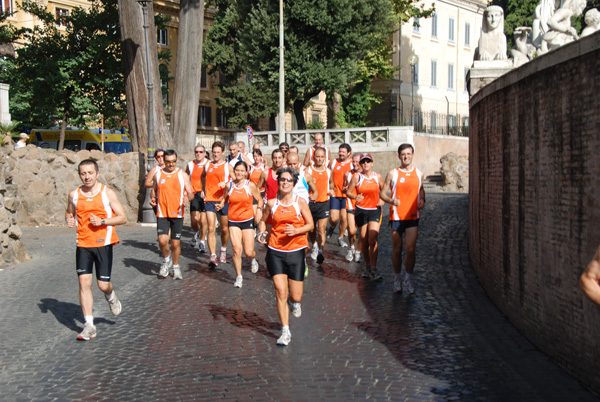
x,y
96,210
174,191
197,209
407,199
309,158
337,210
319,208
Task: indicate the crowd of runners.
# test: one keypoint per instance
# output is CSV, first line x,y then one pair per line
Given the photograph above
x,y
291,207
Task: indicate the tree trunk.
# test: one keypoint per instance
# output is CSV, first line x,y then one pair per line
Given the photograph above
x,y
299,113
63,129
131,20
184,116
337,107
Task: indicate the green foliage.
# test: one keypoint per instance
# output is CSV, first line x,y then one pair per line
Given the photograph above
x,y
74,72
406,9
315,125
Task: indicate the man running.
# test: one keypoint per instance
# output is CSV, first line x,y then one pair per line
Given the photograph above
x,y
197,210
407,199
352,254
96,210
337,212
309,158
216,175
305,187
173,190
320,207
236,156
268,178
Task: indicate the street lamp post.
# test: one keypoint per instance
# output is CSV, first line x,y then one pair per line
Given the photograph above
x,y
413,60
281,77
148,215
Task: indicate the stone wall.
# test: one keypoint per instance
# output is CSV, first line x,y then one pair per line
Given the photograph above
x,y
534,210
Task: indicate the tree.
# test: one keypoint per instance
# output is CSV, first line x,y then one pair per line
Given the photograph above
x,y
324,42
186,94
70,74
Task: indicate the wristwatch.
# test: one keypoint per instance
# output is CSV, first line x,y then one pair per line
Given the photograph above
x,y
102,222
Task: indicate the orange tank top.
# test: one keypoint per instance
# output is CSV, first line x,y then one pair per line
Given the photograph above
x,y
350,203
98,204
311,151
196,170
240,203
338,171
406,187
369,188
216,174
170,192
281,216
255,173
321,182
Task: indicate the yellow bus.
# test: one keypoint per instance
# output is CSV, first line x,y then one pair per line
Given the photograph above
x,y
76,140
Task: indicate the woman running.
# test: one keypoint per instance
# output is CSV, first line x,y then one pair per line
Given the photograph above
x,y
240,194
290,220
255,171
368,212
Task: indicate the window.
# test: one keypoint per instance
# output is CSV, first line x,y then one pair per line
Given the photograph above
x,y
203,77
61,16
434,26
466,80
451,30
6,6
204,116
162,37
221,118
434,73
415,78
315,117
433,120
163,71
451,77
416,25
467,34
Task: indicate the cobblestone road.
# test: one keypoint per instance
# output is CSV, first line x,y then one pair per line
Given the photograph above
x,y
200,338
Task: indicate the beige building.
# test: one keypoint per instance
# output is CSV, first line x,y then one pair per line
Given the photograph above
x,y
444,45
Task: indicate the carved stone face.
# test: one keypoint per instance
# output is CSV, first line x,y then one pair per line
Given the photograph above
x,y
494,18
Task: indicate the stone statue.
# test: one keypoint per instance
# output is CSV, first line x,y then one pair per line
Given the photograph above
x,y
561,31
492,44
524,50
541,16
592,19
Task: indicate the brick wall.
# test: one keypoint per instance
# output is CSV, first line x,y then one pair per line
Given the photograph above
x,y
534,201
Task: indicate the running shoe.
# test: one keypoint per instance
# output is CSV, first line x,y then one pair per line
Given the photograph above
x,y
223,257
375,274
114,304
314,252
89,332
217,224
284,339
350,255
409,286
342,242
296,310
213,262
194,240
329,232
177,273
238,282
164,268
366,272
254,266
397,285
320,258
357,256
202,246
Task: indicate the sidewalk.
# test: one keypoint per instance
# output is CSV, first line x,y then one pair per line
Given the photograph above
x,y
201,338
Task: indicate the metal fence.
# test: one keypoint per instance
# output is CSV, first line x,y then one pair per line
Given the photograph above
x,y
440,123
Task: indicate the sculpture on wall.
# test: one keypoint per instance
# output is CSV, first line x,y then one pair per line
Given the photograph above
x,y
541,16
492,44
524,49
561,31
592,19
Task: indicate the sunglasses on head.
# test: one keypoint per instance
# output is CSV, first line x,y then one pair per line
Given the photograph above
x,y
288,179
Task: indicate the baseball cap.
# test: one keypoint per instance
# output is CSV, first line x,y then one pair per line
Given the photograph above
x,y
23,135
366,156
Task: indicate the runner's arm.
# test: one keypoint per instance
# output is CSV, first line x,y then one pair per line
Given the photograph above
x,y
149,183
256,194
313,187
70,212
119,217
383,194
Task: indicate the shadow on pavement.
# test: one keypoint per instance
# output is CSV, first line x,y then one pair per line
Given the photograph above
x,y
143,266
68,314
245,319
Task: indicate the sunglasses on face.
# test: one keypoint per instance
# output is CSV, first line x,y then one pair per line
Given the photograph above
x,y
170,162
366,161
199,152
288,179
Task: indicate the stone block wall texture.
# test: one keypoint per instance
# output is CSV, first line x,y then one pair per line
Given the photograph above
x,y
534,201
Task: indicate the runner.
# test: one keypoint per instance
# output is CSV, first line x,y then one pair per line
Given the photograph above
x,y
96,210
197,210
337,212
235,155
174,190
268,178
256,171
240,194
320,206
368,212
214,178
309,158
159,157
289,219
352,254
407,199
242,148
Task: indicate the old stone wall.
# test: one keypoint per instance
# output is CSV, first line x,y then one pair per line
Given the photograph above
x,y
534,209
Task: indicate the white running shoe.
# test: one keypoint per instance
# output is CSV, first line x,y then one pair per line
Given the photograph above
x,y
202,246
350,255
397,285
89,332
254,266
164,268
357,256
314,252
114,304
223,257
342,242
284,339
409,286
238,282
296,310
177,273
